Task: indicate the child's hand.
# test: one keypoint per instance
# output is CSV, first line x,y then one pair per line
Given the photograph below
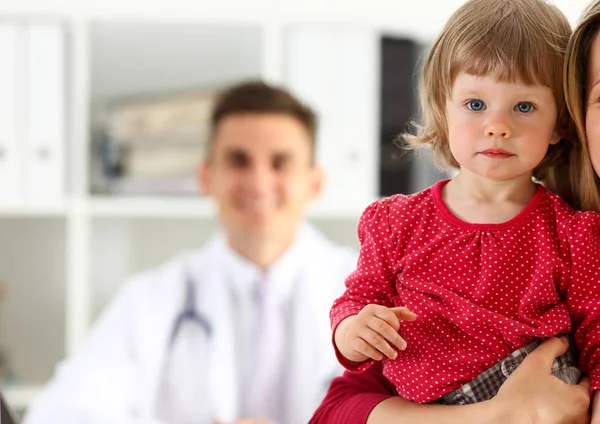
x,y
372,333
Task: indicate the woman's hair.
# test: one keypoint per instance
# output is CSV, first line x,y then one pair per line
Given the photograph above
x,y
513,40
577,182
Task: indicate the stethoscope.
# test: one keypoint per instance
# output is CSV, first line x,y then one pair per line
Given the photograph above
x,y
189,312
169,407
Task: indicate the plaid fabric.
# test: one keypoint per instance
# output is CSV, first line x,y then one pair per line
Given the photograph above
x,y
486,385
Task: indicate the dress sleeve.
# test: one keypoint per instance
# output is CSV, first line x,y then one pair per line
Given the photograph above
x,y
352,396
583,292
373,281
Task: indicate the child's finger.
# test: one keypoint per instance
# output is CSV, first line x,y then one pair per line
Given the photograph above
x,y
363,347
377,341
388,333
393,316
403,313
386,315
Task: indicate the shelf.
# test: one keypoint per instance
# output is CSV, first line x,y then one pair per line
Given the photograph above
x,y
325,212
19,397
151,207
157,207
154,207
34,210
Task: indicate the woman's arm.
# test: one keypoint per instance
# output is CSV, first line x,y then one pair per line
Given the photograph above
x,y
351,397
531,395
368,397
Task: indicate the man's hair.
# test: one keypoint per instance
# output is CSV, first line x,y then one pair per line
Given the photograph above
x,y
261,98
512,40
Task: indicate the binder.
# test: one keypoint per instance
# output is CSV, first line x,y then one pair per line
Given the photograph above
x,y
11,112
398,90
45,111
401,171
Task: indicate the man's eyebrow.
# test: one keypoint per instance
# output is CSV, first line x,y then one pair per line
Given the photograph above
x,y
282,154
234,151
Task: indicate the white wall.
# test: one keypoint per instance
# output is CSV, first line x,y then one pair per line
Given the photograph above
x,y
422,19
118,51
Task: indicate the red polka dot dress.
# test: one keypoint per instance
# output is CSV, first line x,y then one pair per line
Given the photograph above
x,y
480,291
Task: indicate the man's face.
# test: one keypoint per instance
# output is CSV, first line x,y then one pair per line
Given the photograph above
x,y
260,173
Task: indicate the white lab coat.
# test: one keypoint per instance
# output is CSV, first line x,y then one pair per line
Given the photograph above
x,y
115,378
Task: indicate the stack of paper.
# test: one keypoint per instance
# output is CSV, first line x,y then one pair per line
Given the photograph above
x,y
157,142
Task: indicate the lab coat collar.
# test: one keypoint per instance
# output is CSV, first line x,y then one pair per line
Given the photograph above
x,y
280,277
240,273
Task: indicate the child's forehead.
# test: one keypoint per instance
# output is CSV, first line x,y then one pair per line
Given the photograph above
x,y
496,77
505,64
507,80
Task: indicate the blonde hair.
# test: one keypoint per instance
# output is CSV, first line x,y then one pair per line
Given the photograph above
x,y
580,182
514,40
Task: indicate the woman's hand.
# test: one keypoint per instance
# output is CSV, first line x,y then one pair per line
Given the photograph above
x,y
536,396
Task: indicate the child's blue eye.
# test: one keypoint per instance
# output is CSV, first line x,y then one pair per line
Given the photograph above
x,y
475,105
525,107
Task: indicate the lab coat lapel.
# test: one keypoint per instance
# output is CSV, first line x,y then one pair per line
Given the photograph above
x,y
159,322
215,302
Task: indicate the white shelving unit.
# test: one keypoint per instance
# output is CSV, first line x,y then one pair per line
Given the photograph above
x,y
63,262
103,239
19,397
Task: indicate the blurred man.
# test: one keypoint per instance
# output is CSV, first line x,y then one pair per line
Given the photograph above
x,y
238,330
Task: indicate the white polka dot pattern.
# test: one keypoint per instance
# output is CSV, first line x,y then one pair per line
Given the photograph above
x,y
480,291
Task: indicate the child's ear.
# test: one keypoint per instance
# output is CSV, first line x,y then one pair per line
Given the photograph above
x,y
556,137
